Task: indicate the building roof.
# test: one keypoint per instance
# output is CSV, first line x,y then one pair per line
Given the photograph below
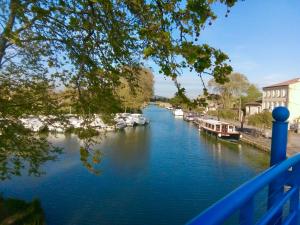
x,y
254,103
215,122
285,83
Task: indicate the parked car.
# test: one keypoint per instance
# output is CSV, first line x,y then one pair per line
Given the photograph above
x,y
294,127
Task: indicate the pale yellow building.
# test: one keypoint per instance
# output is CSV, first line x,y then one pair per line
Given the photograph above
x,y
284,94
252,108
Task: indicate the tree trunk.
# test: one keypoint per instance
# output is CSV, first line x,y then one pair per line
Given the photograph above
x,y
8,29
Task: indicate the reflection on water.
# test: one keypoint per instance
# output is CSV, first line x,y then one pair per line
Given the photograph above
x,y
129,150
24,152
19,212
223,150
90,157
164,173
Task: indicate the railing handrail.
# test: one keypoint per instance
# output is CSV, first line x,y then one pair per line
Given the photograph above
x,y
232,202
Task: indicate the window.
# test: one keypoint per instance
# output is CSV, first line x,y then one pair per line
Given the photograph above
x,y
283,92
264,94
273,93
277,93
268,93
267,105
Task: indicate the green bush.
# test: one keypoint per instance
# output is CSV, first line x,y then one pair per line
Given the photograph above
x,y
263,120
224,114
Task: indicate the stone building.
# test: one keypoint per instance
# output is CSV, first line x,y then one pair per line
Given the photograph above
x,y
286,94
252,108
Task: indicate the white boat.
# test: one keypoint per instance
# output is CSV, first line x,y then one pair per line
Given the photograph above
x,y
75,122
126,117
129,121
190,117
178,112
56,127
33,123
125,114
139,119
219,129
97,123
121,124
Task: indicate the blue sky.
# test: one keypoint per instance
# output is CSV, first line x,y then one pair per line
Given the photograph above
x,y
261,37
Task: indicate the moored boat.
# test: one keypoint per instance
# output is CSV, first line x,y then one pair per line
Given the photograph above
x,y
178,112
121,124
129,121
190,117
33,123
139,119
219,129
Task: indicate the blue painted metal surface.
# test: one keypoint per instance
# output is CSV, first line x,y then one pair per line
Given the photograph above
x,y
282,178
278,154
279,135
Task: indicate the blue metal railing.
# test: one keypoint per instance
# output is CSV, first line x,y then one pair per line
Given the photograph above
x,y
242,198
282,179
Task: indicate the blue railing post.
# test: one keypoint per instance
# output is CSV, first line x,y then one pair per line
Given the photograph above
x,y
279,135
278,154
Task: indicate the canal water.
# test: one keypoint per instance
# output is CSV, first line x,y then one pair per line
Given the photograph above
x,y
164,173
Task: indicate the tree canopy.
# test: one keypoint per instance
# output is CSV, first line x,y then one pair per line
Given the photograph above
x,y
253,94
87,44
236,87
89,47
134,97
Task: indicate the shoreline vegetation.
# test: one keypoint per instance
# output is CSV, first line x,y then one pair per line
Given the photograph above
x,y
65,57
16,211
227,103
260,143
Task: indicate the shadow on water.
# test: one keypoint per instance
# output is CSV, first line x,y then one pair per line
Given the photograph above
x,y
129,149
223,150
164,173
25,153
28,153
22,151
18,212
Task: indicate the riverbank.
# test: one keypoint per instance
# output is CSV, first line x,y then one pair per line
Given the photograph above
x,y
126,172
258,142
249,136
72,122
252,136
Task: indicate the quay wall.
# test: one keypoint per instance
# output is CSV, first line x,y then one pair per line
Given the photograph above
x,y
260,143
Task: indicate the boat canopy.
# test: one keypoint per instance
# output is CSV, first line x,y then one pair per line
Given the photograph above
x,y
215,122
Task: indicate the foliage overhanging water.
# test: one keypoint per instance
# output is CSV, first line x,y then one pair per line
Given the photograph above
x,y
164,173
